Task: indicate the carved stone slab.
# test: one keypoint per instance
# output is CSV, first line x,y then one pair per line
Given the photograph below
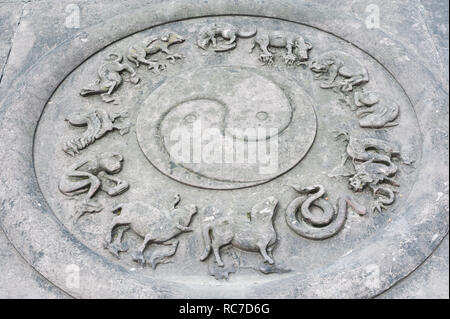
x,y
330,179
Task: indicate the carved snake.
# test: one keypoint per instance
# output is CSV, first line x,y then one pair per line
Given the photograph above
x,y
315,226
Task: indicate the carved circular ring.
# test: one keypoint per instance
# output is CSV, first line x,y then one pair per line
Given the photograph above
x,y
385,257
216,97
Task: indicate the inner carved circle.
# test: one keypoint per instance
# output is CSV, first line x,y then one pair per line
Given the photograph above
x,y
261,131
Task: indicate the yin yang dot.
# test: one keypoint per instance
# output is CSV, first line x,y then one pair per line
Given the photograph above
x,y
190,118
262,116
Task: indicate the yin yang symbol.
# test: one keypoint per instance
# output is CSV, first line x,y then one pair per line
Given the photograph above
x,y
234,101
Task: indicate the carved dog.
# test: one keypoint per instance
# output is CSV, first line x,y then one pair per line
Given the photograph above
x,y
296,46
229,32
150,223
333,64
251,232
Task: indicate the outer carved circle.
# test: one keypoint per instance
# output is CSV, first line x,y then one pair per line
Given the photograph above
x,y
29,223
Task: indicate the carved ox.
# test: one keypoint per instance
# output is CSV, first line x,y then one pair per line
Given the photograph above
x,y
150,223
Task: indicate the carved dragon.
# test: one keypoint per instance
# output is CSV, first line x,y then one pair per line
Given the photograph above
x,y
373,167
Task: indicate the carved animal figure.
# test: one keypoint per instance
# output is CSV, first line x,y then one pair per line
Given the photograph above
x,y
98,123
229,32
339,69
373,163
375,112
90,175
318,226
138,53
254,232
155,226
109,77
296,46
161,254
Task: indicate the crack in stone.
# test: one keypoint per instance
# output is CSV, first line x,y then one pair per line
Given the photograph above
x,y
12,41
424,21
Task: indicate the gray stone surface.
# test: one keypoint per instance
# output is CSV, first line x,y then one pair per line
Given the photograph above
x,y
19,280
10,16
35,27
429,281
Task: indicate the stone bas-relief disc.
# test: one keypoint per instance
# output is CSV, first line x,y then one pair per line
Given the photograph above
x,y
316,130
226,99
345,213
